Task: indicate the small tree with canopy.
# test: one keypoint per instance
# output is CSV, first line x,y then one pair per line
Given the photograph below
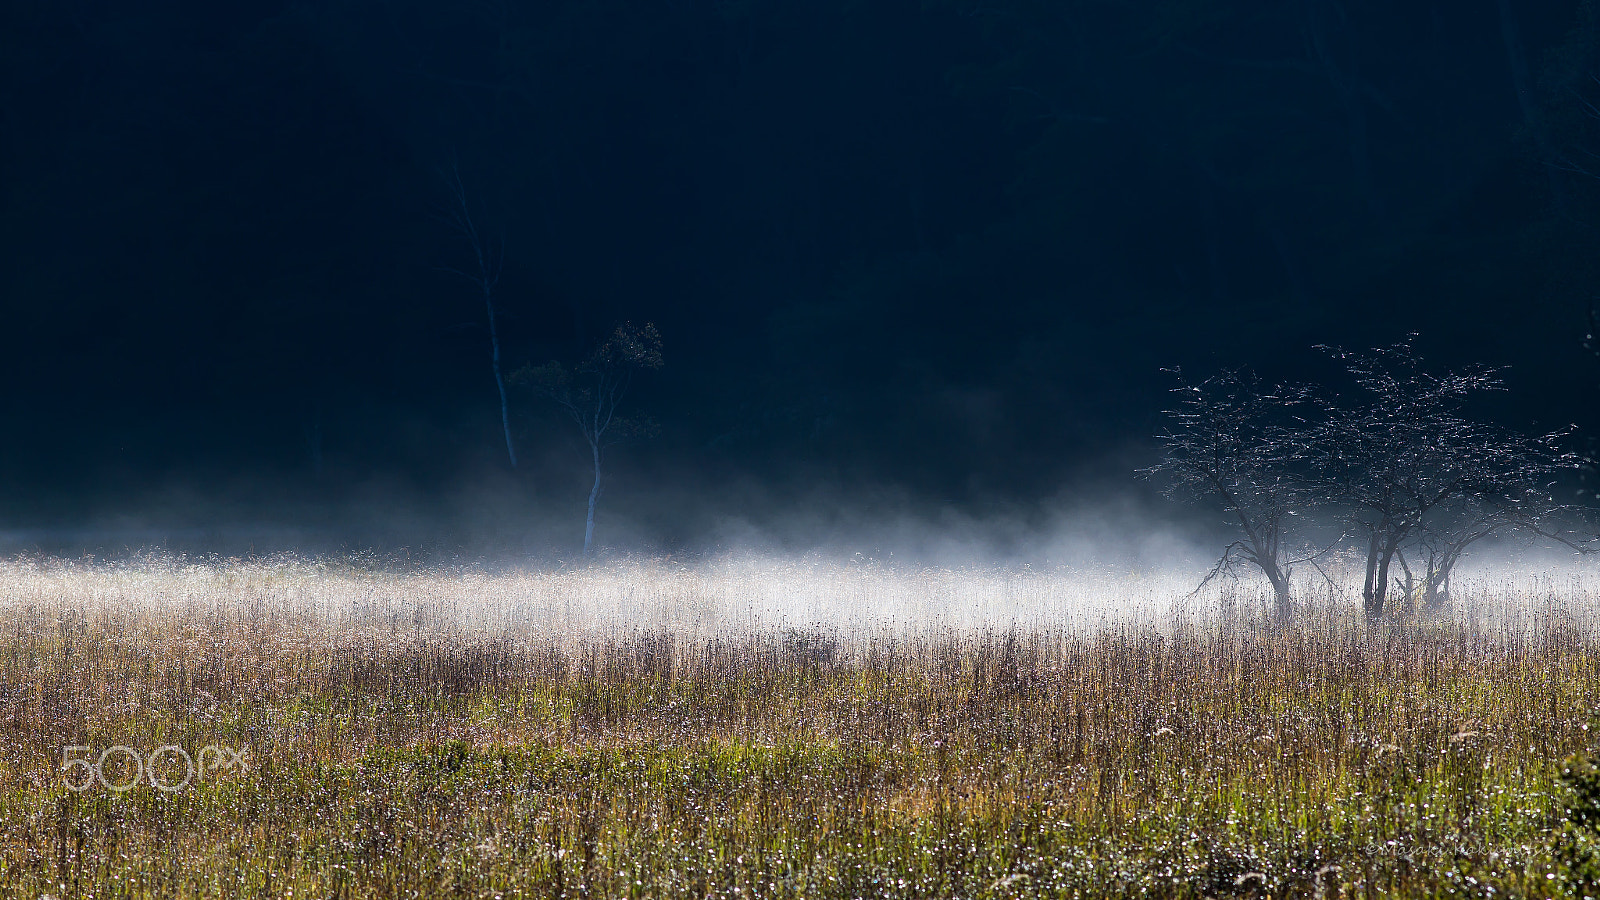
x,y
1399,464
592,393
1410,471
1235,442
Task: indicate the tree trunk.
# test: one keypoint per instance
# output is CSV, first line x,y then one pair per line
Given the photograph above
x,y
1438,588
1280,594
1381,587
594,497
499,380
1264,552
1409,586
1380,554
1436,594
1369,590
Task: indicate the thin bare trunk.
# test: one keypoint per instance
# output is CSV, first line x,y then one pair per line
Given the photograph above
x,y
486,276
499,379
594,497
1438,589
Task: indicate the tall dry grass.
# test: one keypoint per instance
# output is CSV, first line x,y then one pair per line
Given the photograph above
x,y
781,730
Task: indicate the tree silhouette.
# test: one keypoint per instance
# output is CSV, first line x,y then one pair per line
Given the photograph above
x,y
1398,464
1233,441
592,393
1409,469
483,273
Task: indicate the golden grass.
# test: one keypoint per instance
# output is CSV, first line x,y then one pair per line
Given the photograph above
x,y
779,730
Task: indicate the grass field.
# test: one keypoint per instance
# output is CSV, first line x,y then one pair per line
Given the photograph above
x,y
775,731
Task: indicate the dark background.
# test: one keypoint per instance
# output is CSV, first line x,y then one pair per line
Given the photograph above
x,y
917,258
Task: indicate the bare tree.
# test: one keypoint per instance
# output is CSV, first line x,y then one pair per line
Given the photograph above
x,y
1232,441
1529,509
483,273
1400,465
1410,471
592,393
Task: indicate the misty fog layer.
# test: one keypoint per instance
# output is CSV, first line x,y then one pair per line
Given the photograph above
x,y
351,600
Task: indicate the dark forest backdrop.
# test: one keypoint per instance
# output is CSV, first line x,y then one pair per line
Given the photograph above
x,y
934,250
